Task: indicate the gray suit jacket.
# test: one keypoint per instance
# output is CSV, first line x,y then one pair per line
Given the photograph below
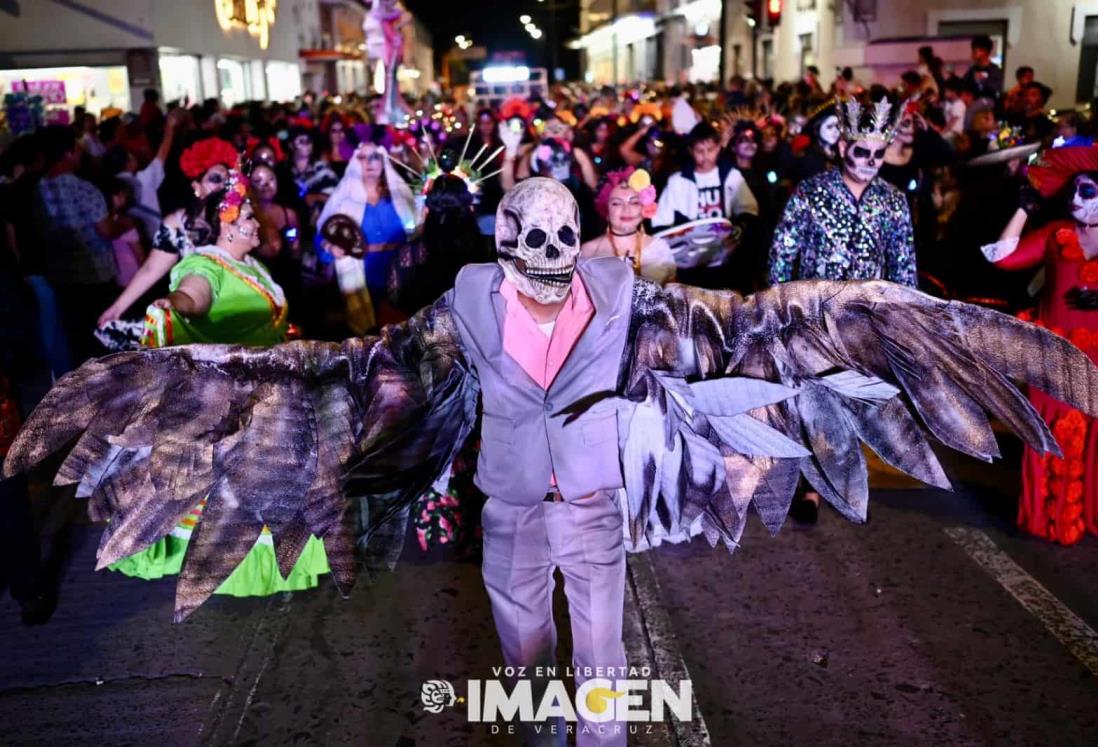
x,y
524,438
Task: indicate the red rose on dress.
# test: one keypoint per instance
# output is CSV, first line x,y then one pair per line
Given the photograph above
x,y
1088,273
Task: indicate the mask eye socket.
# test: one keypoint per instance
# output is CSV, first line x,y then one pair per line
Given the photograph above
x,y
1087,191
536,238
860,152
879,154
567,236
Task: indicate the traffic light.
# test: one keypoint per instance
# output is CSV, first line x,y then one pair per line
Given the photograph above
x,y
773,12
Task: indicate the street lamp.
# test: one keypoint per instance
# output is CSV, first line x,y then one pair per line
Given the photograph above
x,y
524,19
536,33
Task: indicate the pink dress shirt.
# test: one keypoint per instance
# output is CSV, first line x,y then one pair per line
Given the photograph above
x,y
539,356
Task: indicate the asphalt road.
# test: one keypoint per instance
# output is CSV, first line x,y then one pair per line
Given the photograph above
x,y
914,629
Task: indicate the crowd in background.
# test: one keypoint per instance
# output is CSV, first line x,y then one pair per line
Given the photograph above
x,y
353,222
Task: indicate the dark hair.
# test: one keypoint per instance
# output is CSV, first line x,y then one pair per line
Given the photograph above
x,y
982,41
911,77
115,159
1023,70
1044,90
112,185
847,73
151,94
58,141
745,126
702,131
926,53
448,197
954,84
207,215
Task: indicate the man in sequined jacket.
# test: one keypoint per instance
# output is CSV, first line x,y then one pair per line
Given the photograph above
x,y
847,223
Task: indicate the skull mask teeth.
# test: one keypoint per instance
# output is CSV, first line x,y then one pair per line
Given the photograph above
x,y
537,235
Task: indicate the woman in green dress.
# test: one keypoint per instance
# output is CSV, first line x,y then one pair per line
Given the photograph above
x,y
220,294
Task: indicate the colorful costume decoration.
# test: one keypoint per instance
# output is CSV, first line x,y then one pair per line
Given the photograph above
x,y
720,402
827,233
1059,499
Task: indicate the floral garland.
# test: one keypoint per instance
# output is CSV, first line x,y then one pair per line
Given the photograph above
x,y
1068,242
235,196
1065,480
1062,489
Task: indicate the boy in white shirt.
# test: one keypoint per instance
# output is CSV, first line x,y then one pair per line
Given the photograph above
x,y
709,188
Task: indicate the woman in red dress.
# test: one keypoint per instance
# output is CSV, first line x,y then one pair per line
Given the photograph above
x,y
1060,495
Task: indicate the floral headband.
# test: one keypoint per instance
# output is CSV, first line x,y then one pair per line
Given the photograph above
x,y
637,180
228,210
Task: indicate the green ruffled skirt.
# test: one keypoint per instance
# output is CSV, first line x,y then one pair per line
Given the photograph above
x,y
256,576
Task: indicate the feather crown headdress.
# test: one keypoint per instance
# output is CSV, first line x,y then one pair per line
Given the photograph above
x,y
874,123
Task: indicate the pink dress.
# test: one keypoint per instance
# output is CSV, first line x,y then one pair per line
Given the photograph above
x,y
126,257
1060,495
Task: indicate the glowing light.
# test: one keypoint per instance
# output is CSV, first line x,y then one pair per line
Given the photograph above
x,y
505,74
536,33
256,16
530,27
524,19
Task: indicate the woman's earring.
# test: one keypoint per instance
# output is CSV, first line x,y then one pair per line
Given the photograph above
x,y
231,236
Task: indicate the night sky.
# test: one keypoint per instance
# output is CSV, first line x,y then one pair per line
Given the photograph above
x,y
495,25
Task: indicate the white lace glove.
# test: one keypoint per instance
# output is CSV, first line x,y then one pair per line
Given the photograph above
x,y
510,139
1000,250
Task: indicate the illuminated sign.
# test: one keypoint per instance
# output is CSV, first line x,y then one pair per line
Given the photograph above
x,y
257,16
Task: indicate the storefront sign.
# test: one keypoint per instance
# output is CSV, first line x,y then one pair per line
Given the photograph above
x,y
51,91
257,16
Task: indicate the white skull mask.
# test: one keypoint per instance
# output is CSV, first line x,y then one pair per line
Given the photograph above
x,y
863,159
537,238
1084,203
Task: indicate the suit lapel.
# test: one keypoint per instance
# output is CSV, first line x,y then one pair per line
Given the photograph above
x,y
602,296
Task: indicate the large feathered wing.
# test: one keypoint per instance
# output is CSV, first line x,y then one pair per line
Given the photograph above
x,y
305,438
734,399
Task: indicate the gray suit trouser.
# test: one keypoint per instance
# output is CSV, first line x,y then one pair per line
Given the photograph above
x,y
522,547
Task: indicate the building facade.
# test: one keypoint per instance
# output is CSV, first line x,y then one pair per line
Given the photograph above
x,y
679,40
103,54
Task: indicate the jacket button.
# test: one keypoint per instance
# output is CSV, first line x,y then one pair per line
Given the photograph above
x,y
548,406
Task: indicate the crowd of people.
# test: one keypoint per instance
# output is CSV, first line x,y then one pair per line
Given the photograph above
x,y
319,218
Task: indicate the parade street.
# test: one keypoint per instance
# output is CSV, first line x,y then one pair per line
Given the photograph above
x,y
937,623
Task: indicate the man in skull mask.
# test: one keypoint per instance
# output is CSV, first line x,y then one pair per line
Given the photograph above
x,y
552,334
846,223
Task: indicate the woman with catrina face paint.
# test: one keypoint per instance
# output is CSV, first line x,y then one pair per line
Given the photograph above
x,y
1059,499
822,153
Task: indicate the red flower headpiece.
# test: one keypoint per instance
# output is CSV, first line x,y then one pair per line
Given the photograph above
x,y
271,142
1055,168
516,106
204,155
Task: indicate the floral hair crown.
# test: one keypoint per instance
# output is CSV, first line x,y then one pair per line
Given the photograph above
x,y
636,179
236,194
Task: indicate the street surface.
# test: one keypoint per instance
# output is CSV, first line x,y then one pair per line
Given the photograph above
x,y
935,624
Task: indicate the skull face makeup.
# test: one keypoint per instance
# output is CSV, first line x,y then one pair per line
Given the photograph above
x,y
537,238
553,159
1084,203
862,159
